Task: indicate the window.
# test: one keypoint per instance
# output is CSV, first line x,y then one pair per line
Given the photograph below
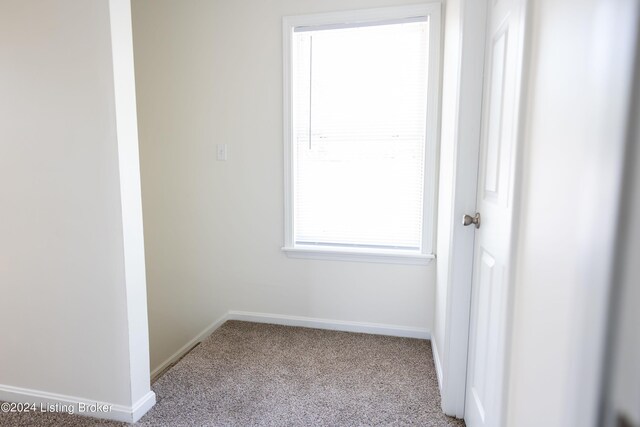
x,y
360,134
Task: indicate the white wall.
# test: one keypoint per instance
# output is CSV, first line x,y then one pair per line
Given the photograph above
x,y
71,263
210,72
579,87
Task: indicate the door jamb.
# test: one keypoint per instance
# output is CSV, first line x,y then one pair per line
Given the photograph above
x,y
466,143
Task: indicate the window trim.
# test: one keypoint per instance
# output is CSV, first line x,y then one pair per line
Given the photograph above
x,y
432,11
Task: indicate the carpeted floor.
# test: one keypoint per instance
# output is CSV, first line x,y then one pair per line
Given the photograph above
x,y
249,374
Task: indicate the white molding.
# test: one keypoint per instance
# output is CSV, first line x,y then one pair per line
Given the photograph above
x,y
332,254
185,348
126,124
432,141
432,10
136,411
287,128
362,16
467,127
334,325
305,322
127,414
436,362
143,405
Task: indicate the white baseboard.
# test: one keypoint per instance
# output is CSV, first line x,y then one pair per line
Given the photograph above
x,y
305,322
334,325
143,405
436,361
71,404
136,411
185,348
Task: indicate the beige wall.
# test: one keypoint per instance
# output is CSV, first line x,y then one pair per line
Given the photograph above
x,y
209,72
72,308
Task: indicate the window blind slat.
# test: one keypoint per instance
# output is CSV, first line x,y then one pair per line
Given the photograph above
x,y
359,115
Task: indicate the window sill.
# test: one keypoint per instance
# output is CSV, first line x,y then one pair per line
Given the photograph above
x,y
333,254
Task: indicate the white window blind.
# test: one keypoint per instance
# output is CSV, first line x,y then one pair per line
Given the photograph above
x,y
359,110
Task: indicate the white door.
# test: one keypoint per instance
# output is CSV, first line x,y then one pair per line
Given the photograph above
x,y
492,251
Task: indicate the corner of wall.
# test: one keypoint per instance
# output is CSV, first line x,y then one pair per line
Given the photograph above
x,y
131,204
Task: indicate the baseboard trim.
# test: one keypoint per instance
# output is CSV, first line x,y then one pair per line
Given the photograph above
x,y
127,414
143,405
334,325
137,410
185,348
436,362
305,322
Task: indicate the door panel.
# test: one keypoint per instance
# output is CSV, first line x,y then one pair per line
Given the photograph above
x,y
478,382
485,370
495,106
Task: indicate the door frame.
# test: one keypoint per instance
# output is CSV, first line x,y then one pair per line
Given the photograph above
x,y
452,359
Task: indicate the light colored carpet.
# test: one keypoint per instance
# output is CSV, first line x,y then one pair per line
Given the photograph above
x,y
248,374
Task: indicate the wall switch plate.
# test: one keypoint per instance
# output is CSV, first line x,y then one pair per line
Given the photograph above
x,y
222,152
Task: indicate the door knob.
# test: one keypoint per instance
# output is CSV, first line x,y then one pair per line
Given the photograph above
x,y
468,220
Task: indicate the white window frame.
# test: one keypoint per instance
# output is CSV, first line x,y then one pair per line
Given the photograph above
x,y
432,11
